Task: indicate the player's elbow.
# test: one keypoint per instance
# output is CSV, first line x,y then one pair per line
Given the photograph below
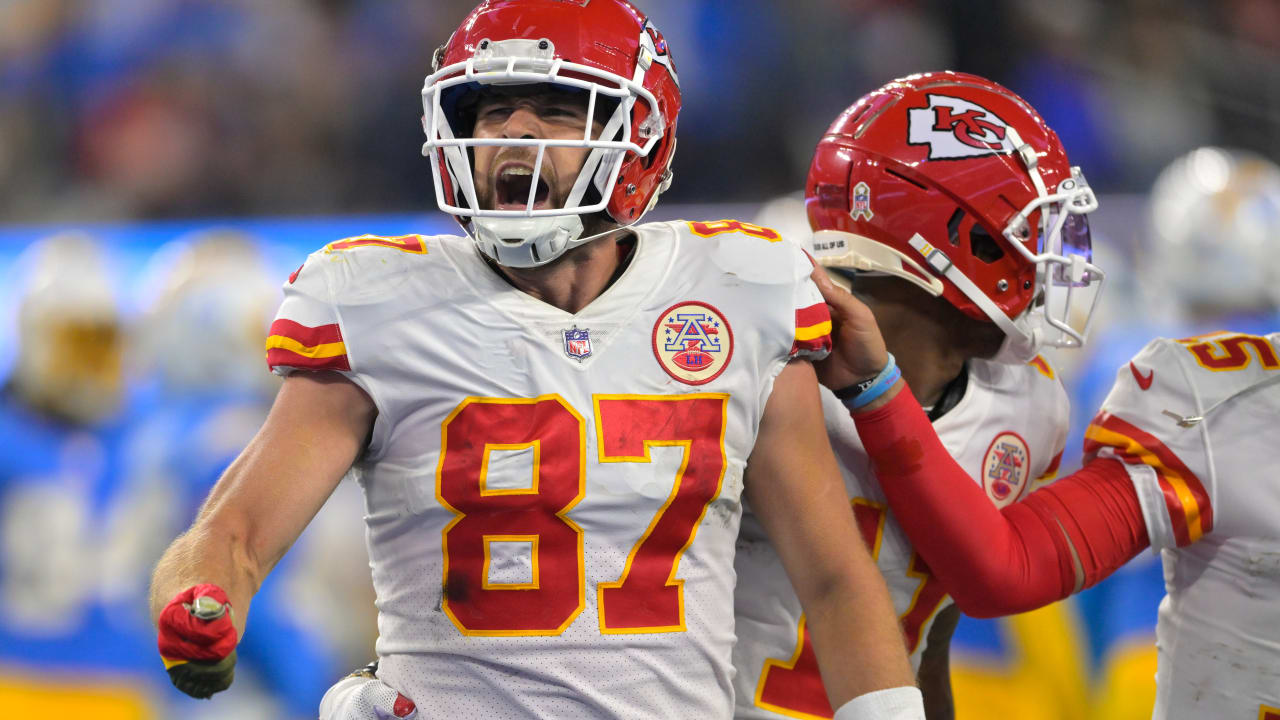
x,y
994,605
996,589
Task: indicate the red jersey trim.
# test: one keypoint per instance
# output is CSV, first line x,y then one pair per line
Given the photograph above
x,y
292,344
813,330
1190,509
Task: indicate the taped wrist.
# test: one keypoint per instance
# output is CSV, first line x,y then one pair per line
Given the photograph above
x,y
900,703
182,636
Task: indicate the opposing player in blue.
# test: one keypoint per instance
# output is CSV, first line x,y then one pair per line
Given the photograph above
x,y
74,533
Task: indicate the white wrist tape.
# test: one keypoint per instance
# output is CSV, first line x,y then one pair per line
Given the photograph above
x,y
900,703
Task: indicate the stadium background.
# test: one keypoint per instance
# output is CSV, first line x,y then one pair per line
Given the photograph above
x,y
147,124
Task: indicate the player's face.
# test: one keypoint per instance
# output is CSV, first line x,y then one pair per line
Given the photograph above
x,y
503,174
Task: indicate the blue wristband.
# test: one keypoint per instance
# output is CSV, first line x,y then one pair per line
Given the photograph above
x,y
867,391
875,391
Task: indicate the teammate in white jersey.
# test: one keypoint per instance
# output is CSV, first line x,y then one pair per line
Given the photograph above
x,y
936,160
1179,459
554,435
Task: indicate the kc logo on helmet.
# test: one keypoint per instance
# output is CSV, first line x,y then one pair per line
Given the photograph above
x,y
956,128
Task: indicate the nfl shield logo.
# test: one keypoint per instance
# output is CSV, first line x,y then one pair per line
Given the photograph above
x,y
577,343
861,201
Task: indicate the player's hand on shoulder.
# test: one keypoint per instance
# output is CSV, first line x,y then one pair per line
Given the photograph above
x,y
362,696
197,640
858,351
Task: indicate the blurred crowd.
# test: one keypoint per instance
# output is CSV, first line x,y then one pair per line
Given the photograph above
x,y
165,108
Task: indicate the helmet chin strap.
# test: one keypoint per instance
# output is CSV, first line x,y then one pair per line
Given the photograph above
x,y
563,231
1022,339
1022,348
527,241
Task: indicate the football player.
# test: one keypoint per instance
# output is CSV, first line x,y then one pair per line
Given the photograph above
x,y
208,299
554,421
69,608
1208,263
931,188
1179,459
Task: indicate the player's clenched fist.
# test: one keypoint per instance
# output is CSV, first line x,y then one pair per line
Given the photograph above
x,y
198,640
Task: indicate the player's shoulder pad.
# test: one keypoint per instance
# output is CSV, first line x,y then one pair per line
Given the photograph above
x,y
753,253
1017,379
1156,370
365,264
1036,382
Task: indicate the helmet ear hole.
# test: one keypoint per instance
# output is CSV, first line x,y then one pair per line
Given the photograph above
x,y
661,152
953,227
983,246
648,160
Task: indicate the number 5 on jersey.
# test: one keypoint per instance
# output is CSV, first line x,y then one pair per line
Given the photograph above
x,y
647,597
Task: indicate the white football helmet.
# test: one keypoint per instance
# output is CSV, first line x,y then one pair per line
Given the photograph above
x,y
606,51
70,330
1212,249
209,301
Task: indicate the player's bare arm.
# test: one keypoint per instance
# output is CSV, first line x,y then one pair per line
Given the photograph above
x,y
314,432
793,486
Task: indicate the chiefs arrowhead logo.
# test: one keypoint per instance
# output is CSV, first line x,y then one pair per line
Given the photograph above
x,y
956,128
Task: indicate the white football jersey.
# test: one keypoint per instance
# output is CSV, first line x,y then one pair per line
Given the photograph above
x,y
1210,493
552,499
1007,431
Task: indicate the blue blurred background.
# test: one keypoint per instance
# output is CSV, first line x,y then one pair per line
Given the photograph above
x,y
197,150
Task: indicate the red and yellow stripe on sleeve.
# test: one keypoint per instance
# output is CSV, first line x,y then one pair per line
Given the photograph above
x,y
293,344
813,330
1189,507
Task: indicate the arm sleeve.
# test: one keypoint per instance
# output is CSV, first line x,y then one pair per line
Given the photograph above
x,y
993,562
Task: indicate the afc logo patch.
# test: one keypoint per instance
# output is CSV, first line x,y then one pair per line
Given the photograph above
x,y
1005,468
956,128
692,342
577,343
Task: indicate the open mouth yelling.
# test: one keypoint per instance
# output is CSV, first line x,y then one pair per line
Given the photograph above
x,y
511,188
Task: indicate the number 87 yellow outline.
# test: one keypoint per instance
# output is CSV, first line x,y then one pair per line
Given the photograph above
x,y
647,598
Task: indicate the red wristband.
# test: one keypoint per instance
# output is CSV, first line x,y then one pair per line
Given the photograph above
x,y
184,637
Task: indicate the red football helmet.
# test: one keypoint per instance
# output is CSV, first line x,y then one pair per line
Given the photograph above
x,y
956,184
605,49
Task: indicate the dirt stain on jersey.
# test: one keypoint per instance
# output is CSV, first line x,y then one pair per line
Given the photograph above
x,y
722,511
454,589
